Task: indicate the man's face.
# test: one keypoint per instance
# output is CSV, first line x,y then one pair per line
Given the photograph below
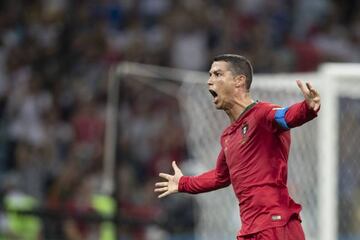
x,y
221,84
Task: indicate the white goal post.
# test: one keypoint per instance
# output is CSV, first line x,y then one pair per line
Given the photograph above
x,y
314,155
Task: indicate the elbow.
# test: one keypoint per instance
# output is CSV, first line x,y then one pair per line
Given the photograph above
x,y
223,182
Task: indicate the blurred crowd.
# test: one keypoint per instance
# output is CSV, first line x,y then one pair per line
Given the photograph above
x,y
54,62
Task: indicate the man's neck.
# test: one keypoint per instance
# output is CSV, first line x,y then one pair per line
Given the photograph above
x,y
238,107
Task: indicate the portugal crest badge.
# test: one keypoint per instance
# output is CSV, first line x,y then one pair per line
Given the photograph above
x,y
244,130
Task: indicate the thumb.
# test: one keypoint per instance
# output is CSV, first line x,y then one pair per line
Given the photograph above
x,y
175,167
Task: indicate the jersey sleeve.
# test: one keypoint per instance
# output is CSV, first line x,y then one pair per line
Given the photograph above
x,y
214,179
285,118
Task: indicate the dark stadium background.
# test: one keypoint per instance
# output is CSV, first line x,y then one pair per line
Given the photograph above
x,y
54,61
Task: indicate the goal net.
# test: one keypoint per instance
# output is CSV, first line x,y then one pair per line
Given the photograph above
x,y
322,151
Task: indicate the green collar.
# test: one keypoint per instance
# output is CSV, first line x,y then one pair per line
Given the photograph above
x,y
248,108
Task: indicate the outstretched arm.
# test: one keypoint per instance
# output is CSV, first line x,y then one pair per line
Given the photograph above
x,y
297,114
208,181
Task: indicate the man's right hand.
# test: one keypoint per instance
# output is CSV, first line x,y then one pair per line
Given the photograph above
x,y
171,185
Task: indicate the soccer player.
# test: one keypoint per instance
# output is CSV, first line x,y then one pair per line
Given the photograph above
x,y
254,153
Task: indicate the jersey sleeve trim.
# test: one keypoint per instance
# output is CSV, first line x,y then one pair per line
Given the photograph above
x,y
280,117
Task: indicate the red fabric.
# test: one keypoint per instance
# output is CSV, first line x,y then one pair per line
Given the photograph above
x,y
209,181
254,160
291,231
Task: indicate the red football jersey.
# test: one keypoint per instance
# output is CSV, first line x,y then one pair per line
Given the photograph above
x,y
254,159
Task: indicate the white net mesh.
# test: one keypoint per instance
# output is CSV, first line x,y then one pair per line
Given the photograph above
x,y
219,214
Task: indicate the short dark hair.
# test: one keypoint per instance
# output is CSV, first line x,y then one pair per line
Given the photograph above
x,y
238,65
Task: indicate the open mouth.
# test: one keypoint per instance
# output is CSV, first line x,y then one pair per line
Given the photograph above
x,y
215,96
213,93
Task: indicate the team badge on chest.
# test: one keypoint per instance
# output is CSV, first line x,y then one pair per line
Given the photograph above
x,y
244,130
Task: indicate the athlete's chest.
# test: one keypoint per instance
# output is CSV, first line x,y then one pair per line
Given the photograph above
x,y
241,140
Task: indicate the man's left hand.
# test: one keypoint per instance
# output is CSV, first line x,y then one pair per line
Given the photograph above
x,y
312,97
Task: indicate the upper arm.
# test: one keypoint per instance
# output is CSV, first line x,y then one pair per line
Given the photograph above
x,y
284,118
274,117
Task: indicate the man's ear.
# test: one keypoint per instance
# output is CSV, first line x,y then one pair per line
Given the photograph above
x,y
240,80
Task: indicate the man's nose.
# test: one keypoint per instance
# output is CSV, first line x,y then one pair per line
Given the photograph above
x,y
210,82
